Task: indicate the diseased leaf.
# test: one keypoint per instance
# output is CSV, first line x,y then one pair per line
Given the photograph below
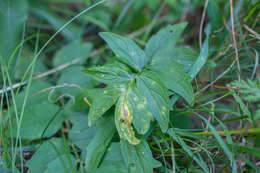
x,y
126,50
156,100
101,100
164,40
174,78
124,118
139,108
138,158
99,143
110,73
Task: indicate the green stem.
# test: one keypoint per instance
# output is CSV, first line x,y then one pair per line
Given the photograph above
x,y
232,132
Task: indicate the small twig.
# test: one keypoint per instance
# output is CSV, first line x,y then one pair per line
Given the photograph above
x,y
234,38
230,30
252,31
87,101
225,87
202,22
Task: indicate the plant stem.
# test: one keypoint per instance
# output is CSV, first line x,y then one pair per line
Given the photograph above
x,y
232,132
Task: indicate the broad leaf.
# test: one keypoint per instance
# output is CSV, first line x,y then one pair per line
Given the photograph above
x,y
71,32
98,145
113,161
72,51
52,156
182,55
80,134
13,14
110,73
140,101
139,108
174,78
24,62
40,117
99,17
73,82
101,100
126,50
164,40
124,118
138,158
153,101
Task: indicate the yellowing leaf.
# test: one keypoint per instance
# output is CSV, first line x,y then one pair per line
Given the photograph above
x,y
124,118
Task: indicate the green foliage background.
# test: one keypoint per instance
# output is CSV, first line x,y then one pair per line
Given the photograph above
x,y
126,86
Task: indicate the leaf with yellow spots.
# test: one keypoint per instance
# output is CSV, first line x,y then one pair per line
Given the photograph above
x,y
110,73
156,96
124,118
102,100
142,115
174,77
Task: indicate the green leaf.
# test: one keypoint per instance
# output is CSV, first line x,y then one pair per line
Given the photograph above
x,y
113,161
13,14
138,158
182,55
40,116
71,32
99,17
98,145
80,134
72,51
126,50
61,164
115,72
73,82
124,118
137,105
24,62
174,77
101,100
215,15
51,156
156,99
164,40
36,119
